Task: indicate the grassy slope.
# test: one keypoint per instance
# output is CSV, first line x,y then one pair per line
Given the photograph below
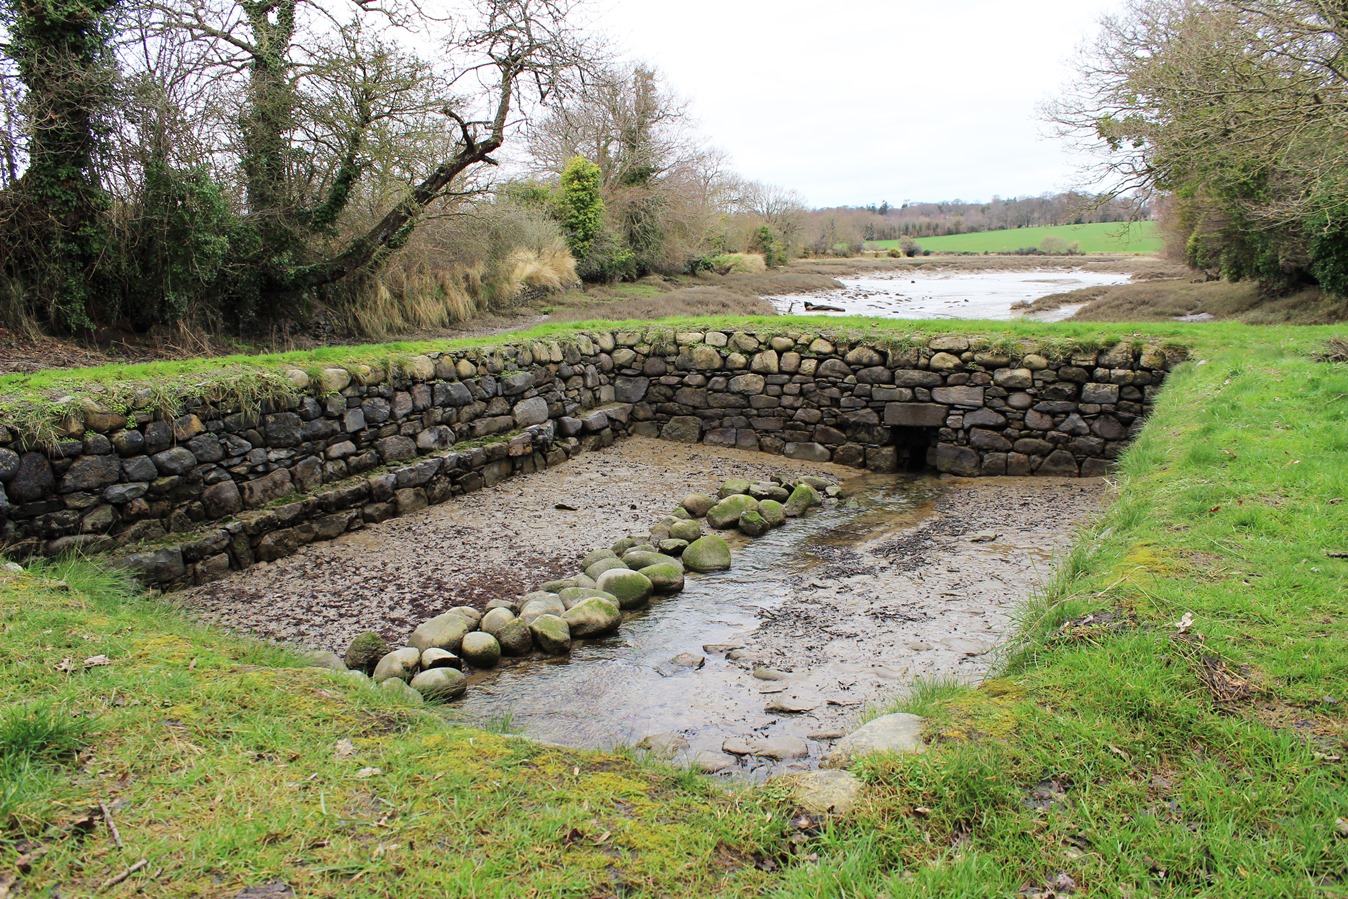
x,y
224,774
1139,238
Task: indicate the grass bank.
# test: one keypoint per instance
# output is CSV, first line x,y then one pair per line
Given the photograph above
x,y
1169,720
1138,238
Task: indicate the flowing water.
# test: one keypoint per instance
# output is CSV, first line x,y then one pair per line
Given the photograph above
x,y
954,294
844,606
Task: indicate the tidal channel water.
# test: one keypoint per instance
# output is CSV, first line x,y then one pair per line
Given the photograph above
x,y
953,294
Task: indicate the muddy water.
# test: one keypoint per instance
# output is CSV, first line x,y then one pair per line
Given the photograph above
x,y
910,576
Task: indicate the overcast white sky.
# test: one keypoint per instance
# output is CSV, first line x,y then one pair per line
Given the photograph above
x,y
853,102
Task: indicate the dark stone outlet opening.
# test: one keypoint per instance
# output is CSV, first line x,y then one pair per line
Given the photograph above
x,y
913,445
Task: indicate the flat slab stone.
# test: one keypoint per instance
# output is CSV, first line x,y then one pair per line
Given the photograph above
x,y
668,744
824,792
792,703
901,733
767,747
712,762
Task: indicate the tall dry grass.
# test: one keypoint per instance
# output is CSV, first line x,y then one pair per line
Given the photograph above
x,y
459,267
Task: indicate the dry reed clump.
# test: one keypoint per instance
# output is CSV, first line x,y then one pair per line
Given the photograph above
x,y
550,269
741,263
417,294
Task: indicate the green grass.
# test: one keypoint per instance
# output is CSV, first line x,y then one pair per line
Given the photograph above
x,y
1139,238
1113,750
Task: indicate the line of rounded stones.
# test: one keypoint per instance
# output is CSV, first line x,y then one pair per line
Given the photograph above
x,y
589,605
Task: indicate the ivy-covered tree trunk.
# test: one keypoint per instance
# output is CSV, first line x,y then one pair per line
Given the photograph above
x,y
61,50
266,124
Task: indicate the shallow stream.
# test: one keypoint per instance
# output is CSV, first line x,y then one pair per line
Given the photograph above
x,y
843,608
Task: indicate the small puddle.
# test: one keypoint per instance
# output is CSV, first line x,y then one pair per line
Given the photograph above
x,y
847,605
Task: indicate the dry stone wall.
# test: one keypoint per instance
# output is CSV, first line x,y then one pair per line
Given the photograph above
x,y
189,497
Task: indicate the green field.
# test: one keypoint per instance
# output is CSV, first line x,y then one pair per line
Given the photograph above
x,y
1168,717
1138,238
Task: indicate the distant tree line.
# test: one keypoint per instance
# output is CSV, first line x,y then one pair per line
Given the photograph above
x,y
849,227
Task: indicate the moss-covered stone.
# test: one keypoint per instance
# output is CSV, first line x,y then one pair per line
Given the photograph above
x,y
441,684
734,487
753,524
515,638
709,553
632,588
773,512
596,571
365,652
664,577
597,556
400,664
639,559
697,504
802,498
443,632
552,634
593,617
481,650
726,513
686,530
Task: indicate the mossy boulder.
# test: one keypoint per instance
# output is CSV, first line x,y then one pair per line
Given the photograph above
x,y
773,512
597,556
802,499
697,504
365,652
596,571
515,638
734,487
400,664
639,559
753,524
496,619
481,650
552,634
400,688
664,577
765,490
673,547
686,530
726,513
470,614
630,588
709,553
441,684
593,617
536,604
443,632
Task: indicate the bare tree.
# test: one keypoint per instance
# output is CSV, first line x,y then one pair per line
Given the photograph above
x,y
324,87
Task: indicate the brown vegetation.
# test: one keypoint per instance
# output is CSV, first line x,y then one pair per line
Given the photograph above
x,y
1165,300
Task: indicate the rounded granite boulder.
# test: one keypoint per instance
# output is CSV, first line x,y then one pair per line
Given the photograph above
x,y
631,588
709,553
